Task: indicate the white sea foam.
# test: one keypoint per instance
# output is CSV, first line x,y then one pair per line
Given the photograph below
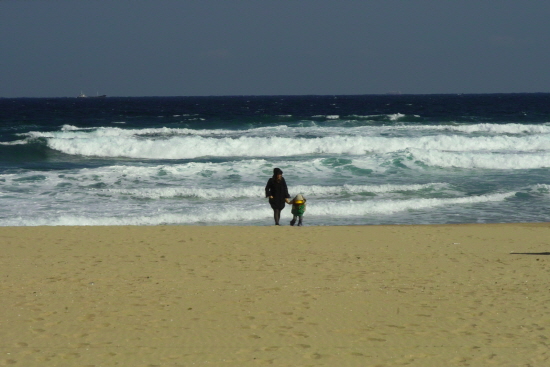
x,y
328,117
396,116
72,128
483,160
195,179
501,128
196,146
258,191
71,132
190,174
541,187
232,214
15,142
512,129
359,208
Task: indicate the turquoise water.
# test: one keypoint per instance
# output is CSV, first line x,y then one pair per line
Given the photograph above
x,y
205,160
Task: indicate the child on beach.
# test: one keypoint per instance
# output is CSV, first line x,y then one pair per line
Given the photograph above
x,y
298,209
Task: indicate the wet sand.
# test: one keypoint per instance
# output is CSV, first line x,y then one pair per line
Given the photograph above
x,y
435,295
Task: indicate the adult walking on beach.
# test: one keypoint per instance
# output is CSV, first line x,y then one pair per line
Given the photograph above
x,y
277,192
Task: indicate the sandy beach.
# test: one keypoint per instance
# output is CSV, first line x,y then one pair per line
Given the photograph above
x,y
434,295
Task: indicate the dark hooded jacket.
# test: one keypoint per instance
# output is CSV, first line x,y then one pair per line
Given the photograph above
x,y
278,190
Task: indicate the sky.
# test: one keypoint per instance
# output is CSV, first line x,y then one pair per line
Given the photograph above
x,y
60,48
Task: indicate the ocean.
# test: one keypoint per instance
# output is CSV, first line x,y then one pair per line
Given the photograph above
x,y
358,160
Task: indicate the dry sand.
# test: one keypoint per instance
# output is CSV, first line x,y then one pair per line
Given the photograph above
x,y
443,295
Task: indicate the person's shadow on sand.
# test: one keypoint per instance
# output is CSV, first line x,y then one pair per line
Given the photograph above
x,y
529,253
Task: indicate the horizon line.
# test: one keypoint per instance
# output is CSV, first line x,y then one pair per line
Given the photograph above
x,y
393,94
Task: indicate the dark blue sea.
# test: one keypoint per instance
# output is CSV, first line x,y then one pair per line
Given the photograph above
x,y
359,160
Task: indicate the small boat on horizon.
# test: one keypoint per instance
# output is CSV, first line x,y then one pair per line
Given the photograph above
x,y
82,95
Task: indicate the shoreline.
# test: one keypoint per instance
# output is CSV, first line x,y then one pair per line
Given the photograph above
x,y
306,225
358,295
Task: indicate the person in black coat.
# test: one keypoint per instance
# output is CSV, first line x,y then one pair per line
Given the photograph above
x,y
277,192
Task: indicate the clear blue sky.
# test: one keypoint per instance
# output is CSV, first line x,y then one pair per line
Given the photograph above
x,y
267,47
